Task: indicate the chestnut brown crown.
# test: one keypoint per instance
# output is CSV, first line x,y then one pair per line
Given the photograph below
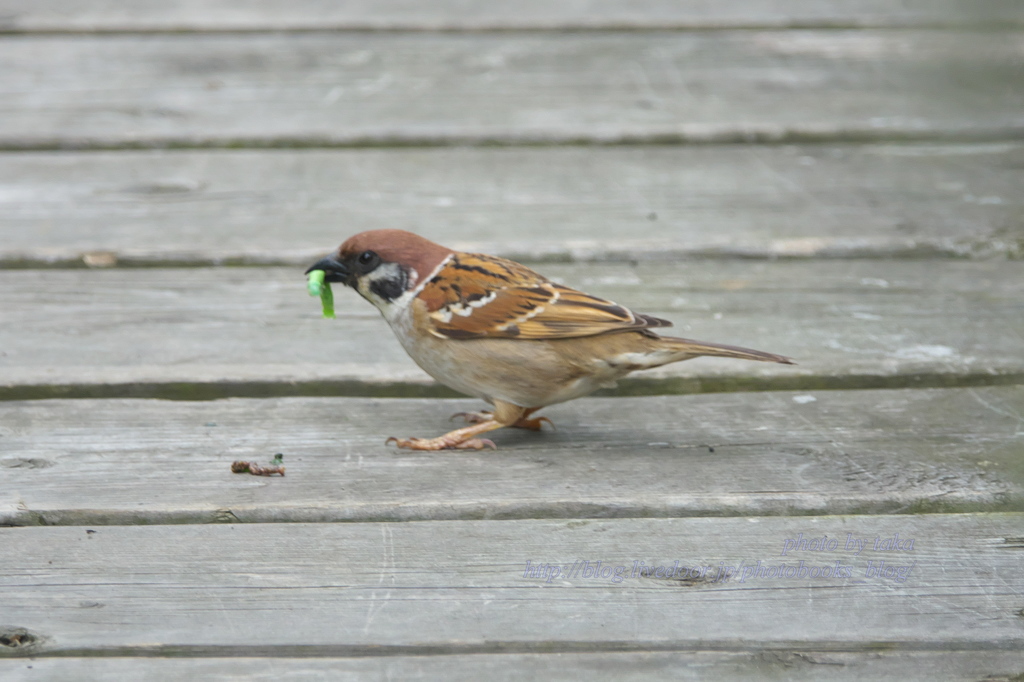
x,y
395,246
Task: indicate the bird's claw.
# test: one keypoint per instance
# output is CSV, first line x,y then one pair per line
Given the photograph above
x,y
477,444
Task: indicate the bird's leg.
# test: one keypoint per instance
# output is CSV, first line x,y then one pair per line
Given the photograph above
x,y
531,424
505,414
521,423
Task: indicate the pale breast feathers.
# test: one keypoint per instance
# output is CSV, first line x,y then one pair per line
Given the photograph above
x,y
476,296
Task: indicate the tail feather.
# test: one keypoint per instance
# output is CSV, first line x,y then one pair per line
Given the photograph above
x,y
696,348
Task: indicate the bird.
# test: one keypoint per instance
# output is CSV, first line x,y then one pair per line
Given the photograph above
x,y
494,329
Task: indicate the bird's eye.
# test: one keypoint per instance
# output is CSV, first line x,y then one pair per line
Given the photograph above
x,y
367,257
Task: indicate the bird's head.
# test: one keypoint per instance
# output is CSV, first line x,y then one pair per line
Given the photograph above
x,y
382,265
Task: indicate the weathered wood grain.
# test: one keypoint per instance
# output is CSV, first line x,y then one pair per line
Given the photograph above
x,y
278,15
201,333
803,665
383,89
462,587
86,462
621,203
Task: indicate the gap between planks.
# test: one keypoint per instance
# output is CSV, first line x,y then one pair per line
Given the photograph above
x,y
61,16
799,664
677,135
189,389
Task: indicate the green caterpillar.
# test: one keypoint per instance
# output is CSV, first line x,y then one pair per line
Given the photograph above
x,y
318,287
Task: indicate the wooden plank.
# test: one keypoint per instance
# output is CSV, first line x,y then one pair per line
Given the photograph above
x,y
796,666
203,333
278,15
93,462
621,203
354,89
464,587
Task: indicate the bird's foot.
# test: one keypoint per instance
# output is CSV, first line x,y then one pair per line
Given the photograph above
x,y
506,414
445,442
523,422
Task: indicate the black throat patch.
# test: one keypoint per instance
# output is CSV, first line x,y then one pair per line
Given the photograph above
x,y
390,288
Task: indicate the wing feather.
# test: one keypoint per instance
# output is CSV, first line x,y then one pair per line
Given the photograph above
x,y
478,296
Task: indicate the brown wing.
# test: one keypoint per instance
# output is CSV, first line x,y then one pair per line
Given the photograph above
x,y
476,296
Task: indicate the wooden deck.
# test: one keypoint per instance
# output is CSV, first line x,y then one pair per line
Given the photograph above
x,y
841,182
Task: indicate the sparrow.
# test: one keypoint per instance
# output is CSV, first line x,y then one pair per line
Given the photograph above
x,y
494,329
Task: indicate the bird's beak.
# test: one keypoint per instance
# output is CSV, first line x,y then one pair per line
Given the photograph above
x,y
335,270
